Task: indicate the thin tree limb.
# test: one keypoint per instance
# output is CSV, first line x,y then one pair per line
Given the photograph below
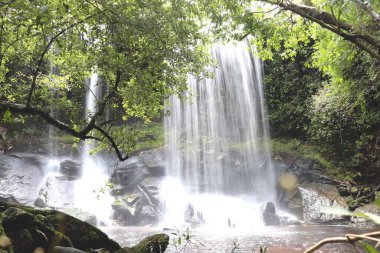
x,y
363,41
46,49
369,10
349,238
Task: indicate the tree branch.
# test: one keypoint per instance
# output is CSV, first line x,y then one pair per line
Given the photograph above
x,y
46,49
27,110
363,41
369,10
349,238
112,142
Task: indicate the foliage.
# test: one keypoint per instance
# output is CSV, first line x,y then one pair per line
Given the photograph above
x,y
183,239
299,148
142,50
289,87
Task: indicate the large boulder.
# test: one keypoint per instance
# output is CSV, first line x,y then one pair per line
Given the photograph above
x,y
59,229
151,244
154,162
127,176
318,197
362,222
57,191
28,232
83,235
137,209
20,177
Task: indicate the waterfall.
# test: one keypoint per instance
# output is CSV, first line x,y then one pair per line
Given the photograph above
x,y
219,163
92,193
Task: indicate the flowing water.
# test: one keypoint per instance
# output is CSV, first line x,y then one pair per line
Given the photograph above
x,y
276,239
219,161
92,192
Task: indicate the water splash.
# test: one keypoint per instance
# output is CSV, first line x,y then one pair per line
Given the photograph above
x,y
92,193
219,158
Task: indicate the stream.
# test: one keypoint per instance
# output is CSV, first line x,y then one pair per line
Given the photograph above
x,y
276,239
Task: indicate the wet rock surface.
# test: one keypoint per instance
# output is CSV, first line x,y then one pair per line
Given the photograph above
x,y
316,198
136,184
20,176
357,221
71,169
269,215
313,191
57,191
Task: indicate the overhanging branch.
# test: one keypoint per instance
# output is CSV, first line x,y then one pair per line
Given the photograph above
x,y
363,41
83,135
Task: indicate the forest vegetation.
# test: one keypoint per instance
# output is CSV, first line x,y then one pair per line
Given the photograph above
x,y
322,64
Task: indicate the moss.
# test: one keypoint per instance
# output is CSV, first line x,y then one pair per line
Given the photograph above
x,y
151,244
299,149
60,229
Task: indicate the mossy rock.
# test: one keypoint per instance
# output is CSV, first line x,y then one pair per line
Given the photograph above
x,y
27,232
60,229
151,244
83,235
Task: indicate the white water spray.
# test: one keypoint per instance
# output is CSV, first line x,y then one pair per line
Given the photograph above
x,y
219,159
92,192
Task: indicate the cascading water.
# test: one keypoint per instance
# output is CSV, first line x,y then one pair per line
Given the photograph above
x,y
91,193
219,163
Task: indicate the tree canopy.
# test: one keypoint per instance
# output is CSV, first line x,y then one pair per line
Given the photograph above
x,y
142,50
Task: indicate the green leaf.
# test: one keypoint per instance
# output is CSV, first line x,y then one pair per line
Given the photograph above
x,y
373,217
8,117
368,248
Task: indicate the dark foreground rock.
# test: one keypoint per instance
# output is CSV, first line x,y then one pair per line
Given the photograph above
x,y
57,232
29,228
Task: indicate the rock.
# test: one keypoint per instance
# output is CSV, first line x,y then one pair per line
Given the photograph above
x,y
269,216
315,198
147,215
361,222
22,241
83,235
27,232
154,162
124,214
15,180
8,198
57,191
151,244
15,219
60,229
306,164
59,249
80,215
128,176
39,203
71,169
189,213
